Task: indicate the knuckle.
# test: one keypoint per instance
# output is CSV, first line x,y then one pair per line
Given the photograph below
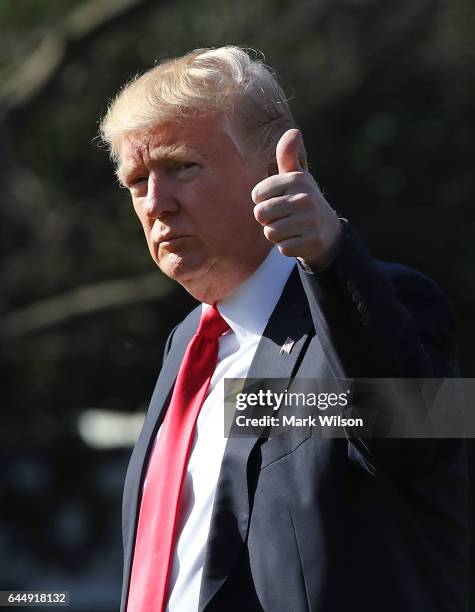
x,y
292,179
287,250
256,194
258,212
297,178
269,233
300,198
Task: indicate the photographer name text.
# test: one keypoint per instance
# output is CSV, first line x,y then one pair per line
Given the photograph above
x,y
271,400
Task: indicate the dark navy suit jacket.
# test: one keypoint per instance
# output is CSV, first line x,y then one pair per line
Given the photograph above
x,y
304,523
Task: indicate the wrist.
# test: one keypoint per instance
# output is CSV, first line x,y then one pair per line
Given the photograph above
x,y
323,263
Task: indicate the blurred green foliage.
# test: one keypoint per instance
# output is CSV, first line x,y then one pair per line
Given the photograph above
x,y
383,92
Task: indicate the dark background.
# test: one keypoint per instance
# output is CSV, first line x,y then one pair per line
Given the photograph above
x,y
384,93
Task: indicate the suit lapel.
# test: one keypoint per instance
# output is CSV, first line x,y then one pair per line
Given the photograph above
x,y
289,325
156,412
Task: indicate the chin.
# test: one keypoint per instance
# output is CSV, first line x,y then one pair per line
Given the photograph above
x,y
180,268
203,280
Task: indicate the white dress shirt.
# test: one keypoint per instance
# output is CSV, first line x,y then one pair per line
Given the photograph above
x,y
247,312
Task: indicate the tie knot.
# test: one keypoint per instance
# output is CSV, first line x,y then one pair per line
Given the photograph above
x,y
212,324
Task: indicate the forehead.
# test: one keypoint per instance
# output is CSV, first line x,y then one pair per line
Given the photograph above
x,y
203,137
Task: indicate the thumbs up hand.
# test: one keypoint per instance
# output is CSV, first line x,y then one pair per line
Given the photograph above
x,y
293,211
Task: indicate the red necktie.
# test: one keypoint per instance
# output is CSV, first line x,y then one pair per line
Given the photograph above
x,y
159,509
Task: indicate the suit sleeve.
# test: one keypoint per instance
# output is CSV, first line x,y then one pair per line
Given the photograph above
x,y
385,321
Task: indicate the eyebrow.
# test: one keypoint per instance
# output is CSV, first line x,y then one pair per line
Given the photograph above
x,y
162,153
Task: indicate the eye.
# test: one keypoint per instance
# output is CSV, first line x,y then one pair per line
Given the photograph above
x,y
136,180
137,185
185,170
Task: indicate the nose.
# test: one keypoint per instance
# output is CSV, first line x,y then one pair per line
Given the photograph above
x,y
160,200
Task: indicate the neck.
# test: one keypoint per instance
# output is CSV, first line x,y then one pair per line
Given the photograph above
x,y
217,286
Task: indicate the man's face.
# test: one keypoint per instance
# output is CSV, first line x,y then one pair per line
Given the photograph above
x,y
192,193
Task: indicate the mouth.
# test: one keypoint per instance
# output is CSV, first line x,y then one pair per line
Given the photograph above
x,y
170,238
170,242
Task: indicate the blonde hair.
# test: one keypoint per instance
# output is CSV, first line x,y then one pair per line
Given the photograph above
x,y
225,80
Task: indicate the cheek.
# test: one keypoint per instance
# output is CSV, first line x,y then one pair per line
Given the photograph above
x,y
142,217
137,209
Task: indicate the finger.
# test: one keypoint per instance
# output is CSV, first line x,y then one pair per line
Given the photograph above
x,y
277,185
271,210
295,206
287,152
291,247
280,231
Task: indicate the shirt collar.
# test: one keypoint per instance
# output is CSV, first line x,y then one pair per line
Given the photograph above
x,y
248,309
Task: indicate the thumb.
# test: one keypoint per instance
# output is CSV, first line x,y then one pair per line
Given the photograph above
x,y
287,151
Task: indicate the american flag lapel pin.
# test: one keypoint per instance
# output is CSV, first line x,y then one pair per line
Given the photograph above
x,y
287,346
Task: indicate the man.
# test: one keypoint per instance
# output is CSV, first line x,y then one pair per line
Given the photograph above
x,y
208,148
